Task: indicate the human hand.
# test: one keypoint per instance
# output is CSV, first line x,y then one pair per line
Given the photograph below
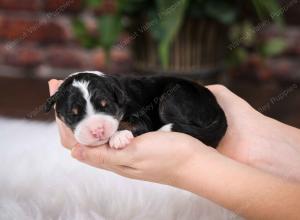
x,y
155,156
174,159
67,138
257,140
251,137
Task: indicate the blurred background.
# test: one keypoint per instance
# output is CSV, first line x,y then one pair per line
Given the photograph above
x,y
252,47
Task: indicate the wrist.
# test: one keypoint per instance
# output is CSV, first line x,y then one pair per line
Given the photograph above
x,y
288,134
294,133
195,167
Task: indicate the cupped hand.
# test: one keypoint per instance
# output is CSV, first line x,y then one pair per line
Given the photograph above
x,y
67,138
155,156
257,140
251,138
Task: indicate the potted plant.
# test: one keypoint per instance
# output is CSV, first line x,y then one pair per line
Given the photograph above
x,y
175,36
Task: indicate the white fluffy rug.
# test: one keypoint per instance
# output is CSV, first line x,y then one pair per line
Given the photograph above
x,y
40,180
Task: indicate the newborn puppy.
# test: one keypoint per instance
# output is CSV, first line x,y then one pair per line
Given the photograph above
x,y
102,108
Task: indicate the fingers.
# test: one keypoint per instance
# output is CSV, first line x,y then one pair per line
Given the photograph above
x,y
226,98
102,156
54,85
220,91
66,136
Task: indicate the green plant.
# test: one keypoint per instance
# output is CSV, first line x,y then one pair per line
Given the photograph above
x,y
168,16
245,34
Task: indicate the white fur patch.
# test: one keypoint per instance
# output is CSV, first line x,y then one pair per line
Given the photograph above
x,y
167,127
83,87
82,130
120,139
92,120
98,73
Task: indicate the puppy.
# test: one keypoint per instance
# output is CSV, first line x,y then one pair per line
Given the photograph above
x,y
109,109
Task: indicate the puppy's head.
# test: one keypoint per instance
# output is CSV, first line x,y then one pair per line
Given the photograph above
x,y
91,104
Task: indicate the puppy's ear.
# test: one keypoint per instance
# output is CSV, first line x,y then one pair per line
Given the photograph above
x,y
120,95
51,101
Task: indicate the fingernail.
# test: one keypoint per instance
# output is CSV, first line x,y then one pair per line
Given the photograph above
x,y
78,153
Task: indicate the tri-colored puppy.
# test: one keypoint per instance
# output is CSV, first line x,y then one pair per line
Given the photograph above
x,y
103,108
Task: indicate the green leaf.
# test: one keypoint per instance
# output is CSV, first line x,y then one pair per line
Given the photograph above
x,y
110,28
156,29
241,55
236,57
273,47
248,34
94,3
171,16
132,6
268,8
223,12
78,27
81,33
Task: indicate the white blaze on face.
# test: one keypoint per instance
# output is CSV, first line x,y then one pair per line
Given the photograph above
x,y
95,128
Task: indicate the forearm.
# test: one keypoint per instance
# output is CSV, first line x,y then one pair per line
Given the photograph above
x,y
286,133
242,189
292,135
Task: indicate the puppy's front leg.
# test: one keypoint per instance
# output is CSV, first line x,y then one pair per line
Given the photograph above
x,y
128,129
120,139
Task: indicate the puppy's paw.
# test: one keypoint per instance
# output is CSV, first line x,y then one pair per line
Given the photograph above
x,y
120,139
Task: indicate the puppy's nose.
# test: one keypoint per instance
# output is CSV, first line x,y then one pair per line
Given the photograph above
x,y
98,132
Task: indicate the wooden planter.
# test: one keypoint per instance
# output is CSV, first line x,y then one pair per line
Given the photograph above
x,y
197,50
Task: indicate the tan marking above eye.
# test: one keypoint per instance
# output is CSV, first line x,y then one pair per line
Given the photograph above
x,y
75,111
103,103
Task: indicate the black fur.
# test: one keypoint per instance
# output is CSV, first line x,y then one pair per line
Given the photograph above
x,y
144,104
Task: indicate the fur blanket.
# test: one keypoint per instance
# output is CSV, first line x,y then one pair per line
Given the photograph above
x,y
40,180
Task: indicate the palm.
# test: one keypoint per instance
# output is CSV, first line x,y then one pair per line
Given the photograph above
x,y
242,121
255,139
245,125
